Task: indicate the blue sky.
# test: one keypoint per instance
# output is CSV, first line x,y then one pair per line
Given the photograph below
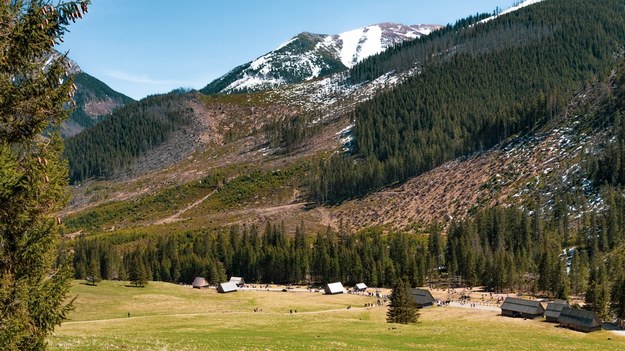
x,y
142,47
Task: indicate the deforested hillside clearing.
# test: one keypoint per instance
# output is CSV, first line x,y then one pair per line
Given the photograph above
x,y
172,317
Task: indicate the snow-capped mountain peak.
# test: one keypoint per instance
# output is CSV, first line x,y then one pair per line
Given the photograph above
x,y
308,56
358,44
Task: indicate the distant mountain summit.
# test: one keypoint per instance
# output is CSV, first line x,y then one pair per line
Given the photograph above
x,y
94,101
358,44
308,56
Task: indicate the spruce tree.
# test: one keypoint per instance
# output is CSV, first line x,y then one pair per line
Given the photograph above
x,y
34,92
618,299
598,292
137,274
402,308
92,272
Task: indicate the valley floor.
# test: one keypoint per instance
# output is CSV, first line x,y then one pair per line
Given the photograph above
x,y
112,316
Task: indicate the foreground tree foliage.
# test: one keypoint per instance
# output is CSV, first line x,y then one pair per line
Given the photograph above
x,y
34,91
402,308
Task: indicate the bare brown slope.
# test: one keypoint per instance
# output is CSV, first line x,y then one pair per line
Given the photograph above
x,y
541,162
227,132
229,138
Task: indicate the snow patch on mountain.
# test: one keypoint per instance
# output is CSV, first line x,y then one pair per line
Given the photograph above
x,y
286,43
252,81
512,9
358,44
309,56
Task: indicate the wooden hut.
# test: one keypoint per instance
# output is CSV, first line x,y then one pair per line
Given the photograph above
x,y
360,287
515,307
552,313
422,297
238,281
227,287
334,288
199,283
580,320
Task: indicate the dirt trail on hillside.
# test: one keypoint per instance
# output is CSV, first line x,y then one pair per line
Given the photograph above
x,y
176,216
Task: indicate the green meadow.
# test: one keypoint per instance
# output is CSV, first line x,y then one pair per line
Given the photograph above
x,y
172,317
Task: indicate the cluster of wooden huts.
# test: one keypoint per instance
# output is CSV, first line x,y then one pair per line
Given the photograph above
x,y
230,286
558,311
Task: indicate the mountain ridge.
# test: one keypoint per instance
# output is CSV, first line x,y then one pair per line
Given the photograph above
x,y
94,101
308,56
252,147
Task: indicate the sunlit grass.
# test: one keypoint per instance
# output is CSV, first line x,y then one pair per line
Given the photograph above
x,y
171,317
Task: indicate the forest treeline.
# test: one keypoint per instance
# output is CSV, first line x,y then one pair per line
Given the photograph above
x,y
503,249
404,56
559,244
478,86
506,248
288,133
269,255
110,146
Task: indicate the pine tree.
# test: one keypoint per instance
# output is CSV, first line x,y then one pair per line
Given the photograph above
x,y
34,90
579,272
138,275
93,272
561,282
598,293
402,308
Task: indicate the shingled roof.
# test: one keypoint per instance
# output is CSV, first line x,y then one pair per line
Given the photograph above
x,y
238,281
199,282
361,286
227,287
334,288
515,307
578,319
422,297
552,313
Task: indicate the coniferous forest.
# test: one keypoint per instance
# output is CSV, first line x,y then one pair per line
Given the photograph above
x,y
556,246
478,86
503,249
138,127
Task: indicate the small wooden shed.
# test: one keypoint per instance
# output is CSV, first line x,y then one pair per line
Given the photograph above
x,y
580,320
238,281
199,283
552,313
422,297
515,307
227,287
360,287
334,288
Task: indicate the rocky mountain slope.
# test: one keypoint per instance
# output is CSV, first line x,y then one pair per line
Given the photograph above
x,y
94,101
522,168
233,174
308,56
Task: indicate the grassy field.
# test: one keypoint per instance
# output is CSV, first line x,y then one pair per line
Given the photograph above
x,y
171,317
